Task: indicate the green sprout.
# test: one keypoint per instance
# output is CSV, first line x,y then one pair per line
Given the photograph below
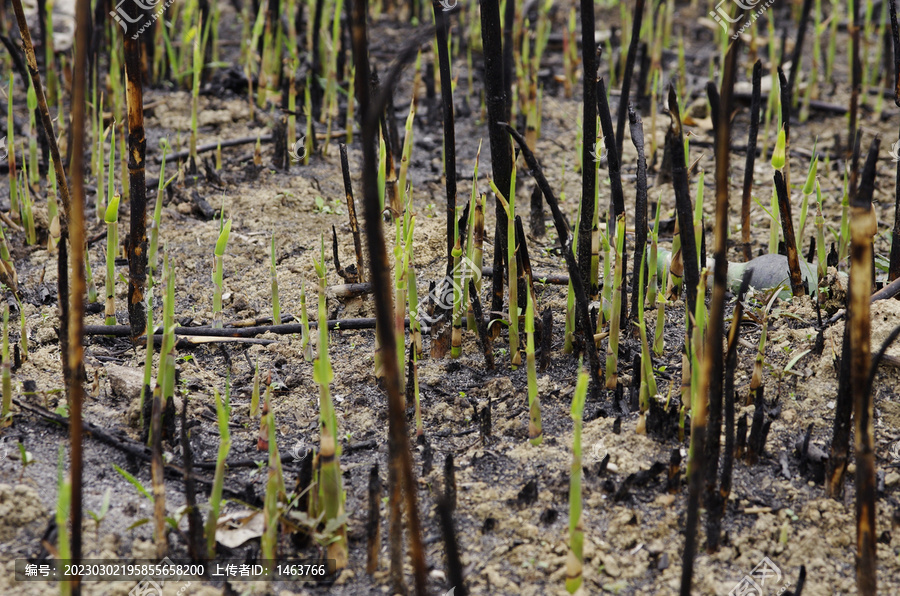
x,y
218,274
112,249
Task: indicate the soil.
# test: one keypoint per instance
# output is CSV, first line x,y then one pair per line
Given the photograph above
x,y
511,516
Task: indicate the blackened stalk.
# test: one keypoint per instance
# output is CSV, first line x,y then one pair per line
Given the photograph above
x,y
674,138
863,227
509,66
712,94
442,26
836,466
640,203
400,456
894,268
351,211
588,144
798,45
137,150
562,231
501,151
451,548
373,523
315,91
711,388
76,297
617,196
624,107
195,544
484,337
786,123
730,368
751,159
787,228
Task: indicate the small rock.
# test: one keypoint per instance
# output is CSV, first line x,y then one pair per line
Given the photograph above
x,y
610,566
184,208
892,479
789,416
125,382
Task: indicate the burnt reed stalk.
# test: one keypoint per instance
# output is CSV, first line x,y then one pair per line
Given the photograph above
x,y
786,124
195,544
137,150
717,510
863,227
617,196
836,465
351,213
373,522
751,159
562,231
442,27
640,205
501,150
713,366
683,209
894,268
76,298
787,228
624,106
797,54
589,134
401,478
509,65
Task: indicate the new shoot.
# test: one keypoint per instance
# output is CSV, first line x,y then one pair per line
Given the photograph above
x,y
112,249
218,274
535,429
575,560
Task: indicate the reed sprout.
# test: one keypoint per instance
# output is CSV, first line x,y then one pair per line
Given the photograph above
x,y
223,412
808,188
330,491
5,414
509,208
648,380
612,354
273,275
575,559
11,155
112,249
63,505
305,345
535,428
218,274
25,205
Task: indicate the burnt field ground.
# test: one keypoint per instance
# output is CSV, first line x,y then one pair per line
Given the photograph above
x,y
255,140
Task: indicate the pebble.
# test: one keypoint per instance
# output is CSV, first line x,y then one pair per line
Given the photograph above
x,y
892,479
